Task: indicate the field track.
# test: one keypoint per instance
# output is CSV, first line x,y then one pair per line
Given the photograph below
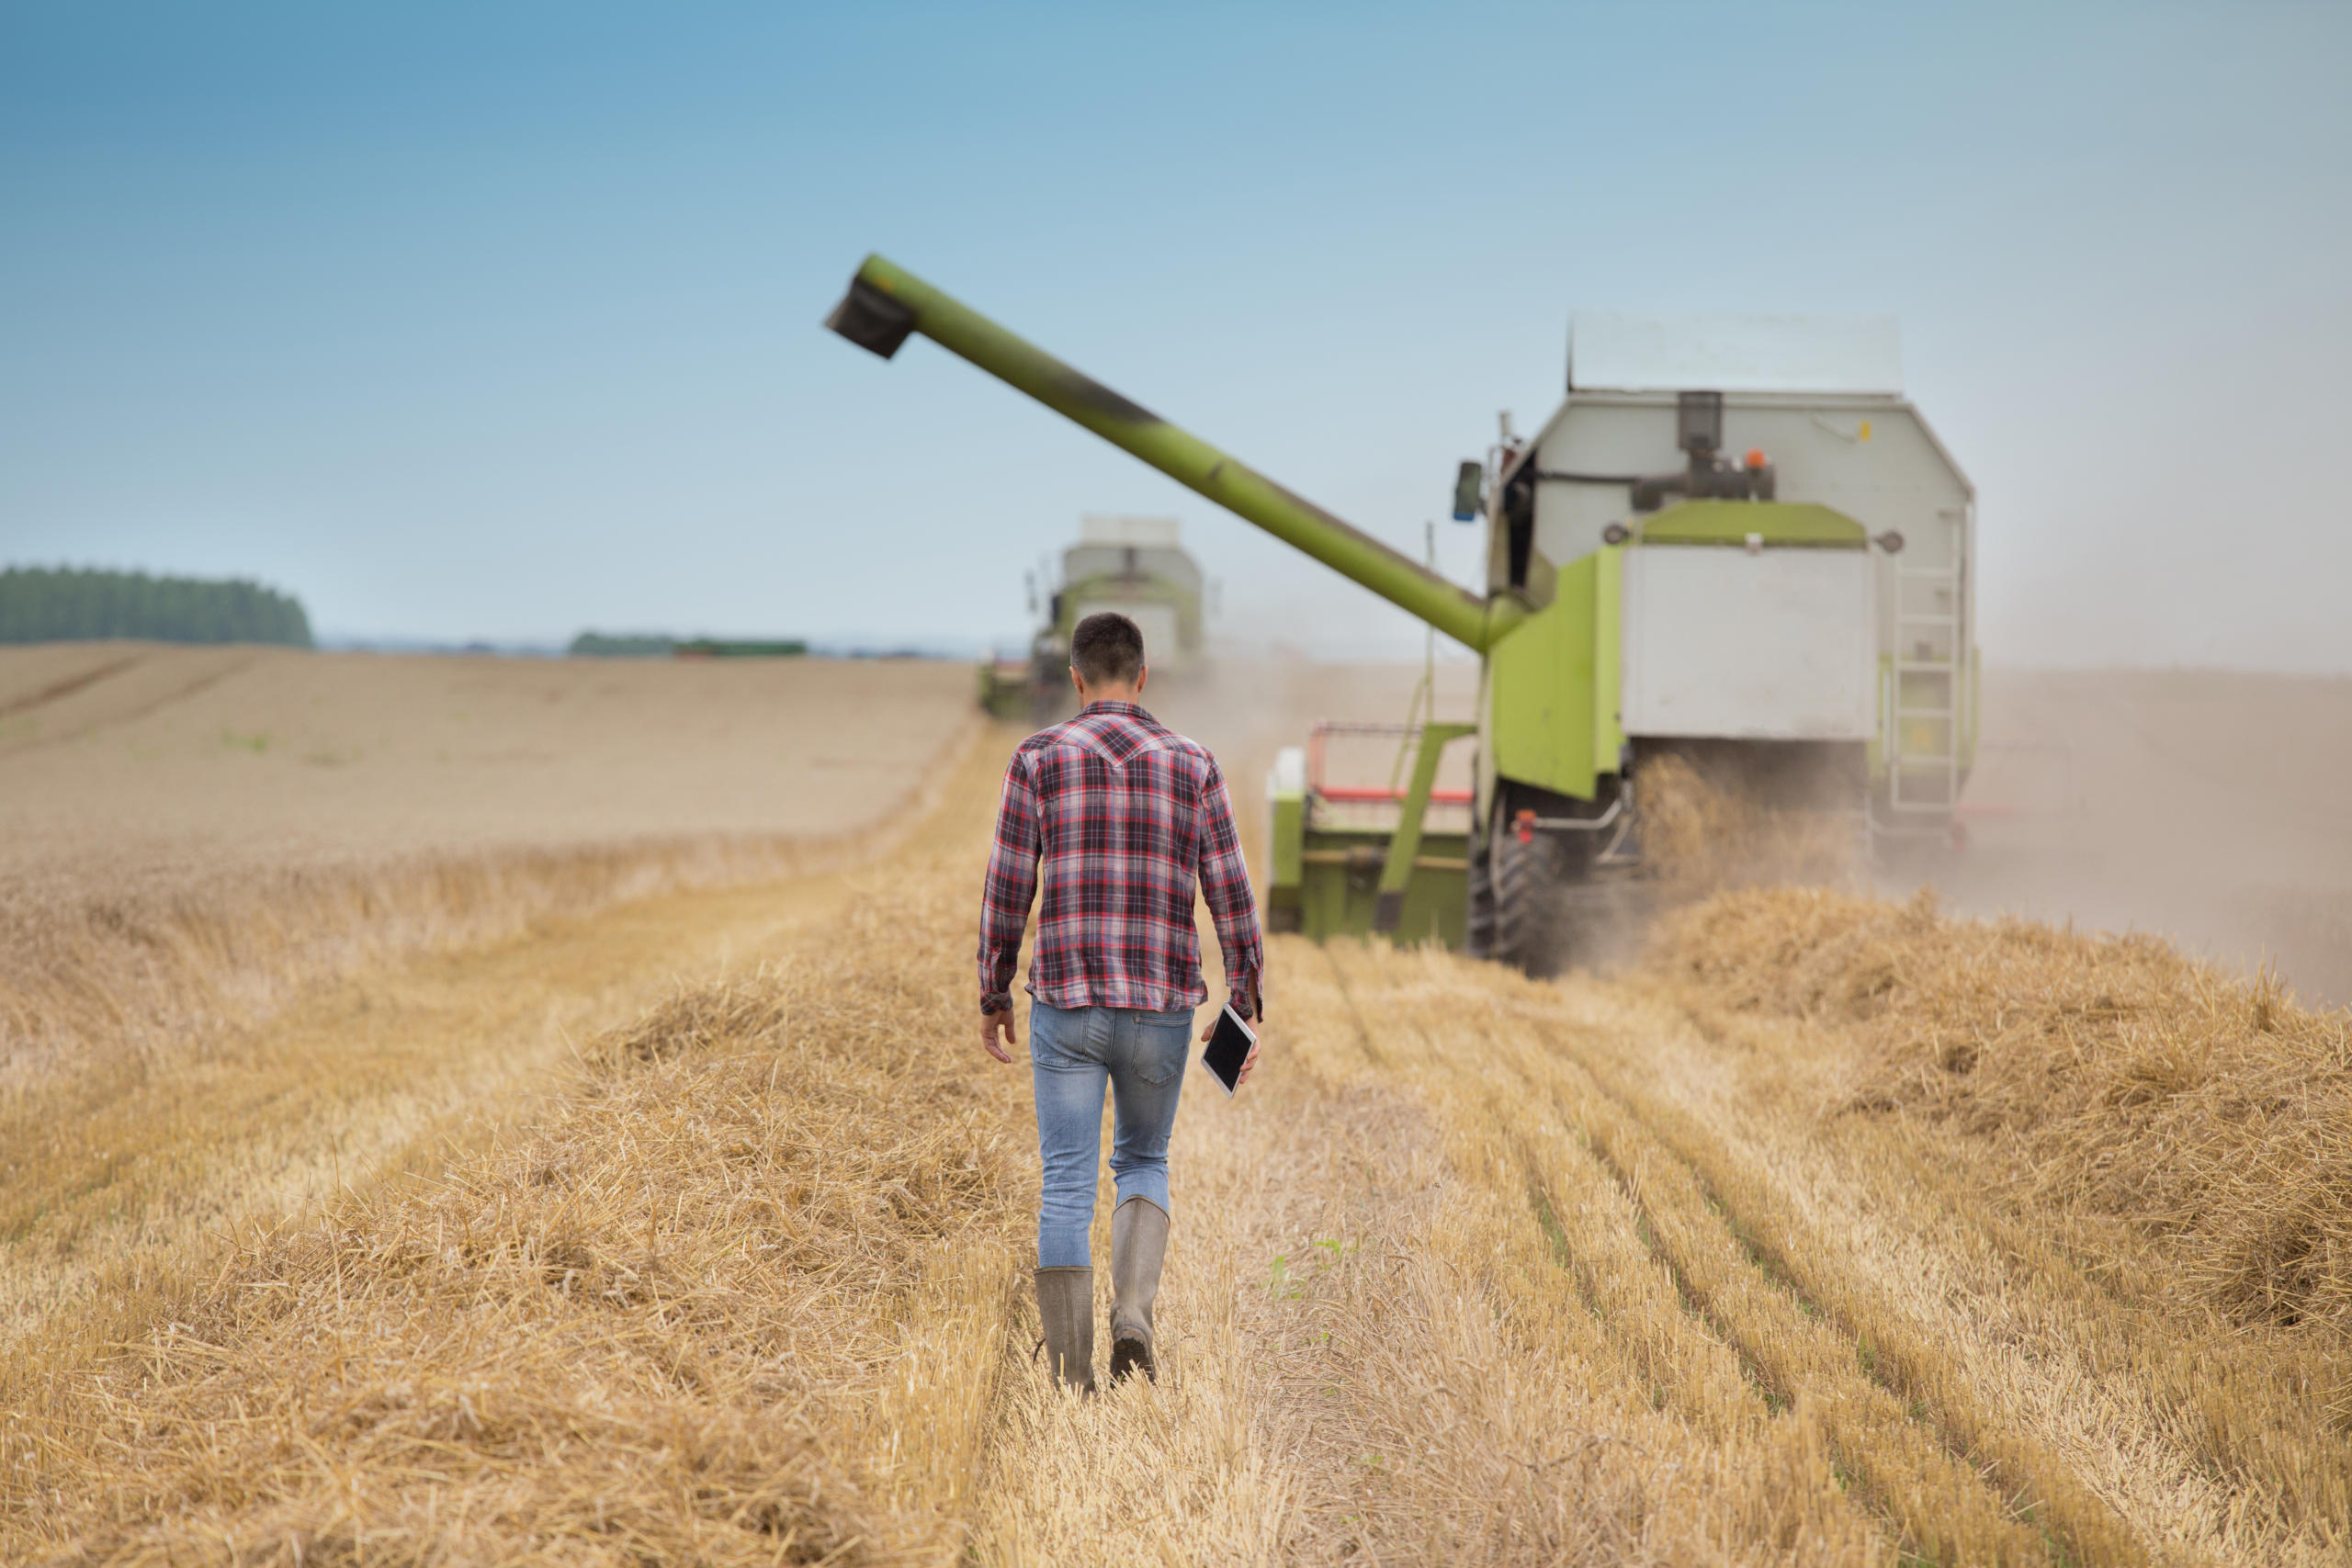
x,y
1731,1258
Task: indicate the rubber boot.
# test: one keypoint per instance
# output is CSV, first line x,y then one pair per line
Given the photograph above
x,y
1138,1247
1066,1314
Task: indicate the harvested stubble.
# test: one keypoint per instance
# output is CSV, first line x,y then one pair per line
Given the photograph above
x,y
1687,1267
2061,1160
93,981
188,835
2117,1077
1376,1350
1594,1279
1727,1350
738,1299
114,1169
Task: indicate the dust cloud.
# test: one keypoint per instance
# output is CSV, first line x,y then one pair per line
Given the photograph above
x,y
2207,806
2210,808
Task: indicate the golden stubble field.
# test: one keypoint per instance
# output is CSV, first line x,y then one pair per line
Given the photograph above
x,y
1833,1231
187,832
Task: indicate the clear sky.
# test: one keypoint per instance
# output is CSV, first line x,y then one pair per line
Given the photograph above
x,y
500,320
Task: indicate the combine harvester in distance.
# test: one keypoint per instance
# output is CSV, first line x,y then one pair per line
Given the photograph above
x,y
1134,565
1797,618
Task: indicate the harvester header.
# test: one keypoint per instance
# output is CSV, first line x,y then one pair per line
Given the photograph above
x,y
886,303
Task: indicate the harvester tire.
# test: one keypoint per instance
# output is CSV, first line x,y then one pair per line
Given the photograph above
x,y
1526,876
1479,925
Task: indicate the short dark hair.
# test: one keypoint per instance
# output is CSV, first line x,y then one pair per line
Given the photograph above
x,y
1107,649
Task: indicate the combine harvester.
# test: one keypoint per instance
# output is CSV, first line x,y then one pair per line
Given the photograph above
x,y
1796,621
1134,565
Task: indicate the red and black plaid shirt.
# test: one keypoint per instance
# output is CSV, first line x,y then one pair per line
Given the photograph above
x,y
1119,816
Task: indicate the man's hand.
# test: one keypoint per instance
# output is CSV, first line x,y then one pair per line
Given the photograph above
x,y
991,1023
1248,1062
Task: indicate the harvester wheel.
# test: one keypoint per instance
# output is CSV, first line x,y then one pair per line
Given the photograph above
x,y
1526,874
1478,927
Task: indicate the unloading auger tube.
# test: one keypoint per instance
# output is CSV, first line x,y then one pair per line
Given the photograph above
x,y
885,302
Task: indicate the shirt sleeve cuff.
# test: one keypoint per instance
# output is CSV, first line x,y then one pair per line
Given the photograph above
x,y
995,1001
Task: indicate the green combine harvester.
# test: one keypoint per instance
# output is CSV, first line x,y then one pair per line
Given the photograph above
x,y
1135,566
1795,621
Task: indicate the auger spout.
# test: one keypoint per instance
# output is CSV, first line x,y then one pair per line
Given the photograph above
x,y
884,303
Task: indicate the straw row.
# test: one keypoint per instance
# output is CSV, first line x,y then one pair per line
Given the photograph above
x,y
735,1299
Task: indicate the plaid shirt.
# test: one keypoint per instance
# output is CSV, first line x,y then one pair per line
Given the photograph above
x,y
1117,815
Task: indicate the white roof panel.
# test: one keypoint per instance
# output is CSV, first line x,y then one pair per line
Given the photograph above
x,y
1614,351
1105,528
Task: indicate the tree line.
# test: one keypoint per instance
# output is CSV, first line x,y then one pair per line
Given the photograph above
x,y
68,604
654,645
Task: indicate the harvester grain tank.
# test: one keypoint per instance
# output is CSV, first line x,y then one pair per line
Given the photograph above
x,y
1797,616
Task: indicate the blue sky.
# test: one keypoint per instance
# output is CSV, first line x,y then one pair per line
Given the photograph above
x,y
502,320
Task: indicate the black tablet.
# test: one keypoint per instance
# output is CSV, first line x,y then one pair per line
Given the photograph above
x,y
1228,1047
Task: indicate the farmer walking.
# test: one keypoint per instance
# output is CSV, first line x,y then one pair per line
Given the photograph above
x,y
1118,816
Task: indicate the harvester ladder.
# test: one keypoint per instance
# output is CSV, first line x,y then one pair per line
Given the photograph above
x,y
1927,687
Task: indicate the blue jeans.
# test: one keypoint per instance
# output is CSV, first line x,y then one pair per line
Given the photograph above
x,y
1073,1053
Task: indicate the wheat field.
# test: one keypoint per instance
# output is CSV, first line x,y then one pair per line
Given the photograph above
x,y
694,1229
188,836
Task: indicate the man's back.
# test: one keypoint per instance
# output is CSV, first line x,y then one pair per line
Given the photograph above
x,y
1116,819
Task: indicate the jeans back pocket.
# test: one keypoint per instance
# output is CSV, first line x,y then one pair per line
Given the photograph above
x,y
1160,1046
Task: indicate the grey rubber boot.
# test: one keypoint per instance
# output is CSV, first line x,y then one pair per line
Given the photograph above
x,y
1138,1247
1066,1314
